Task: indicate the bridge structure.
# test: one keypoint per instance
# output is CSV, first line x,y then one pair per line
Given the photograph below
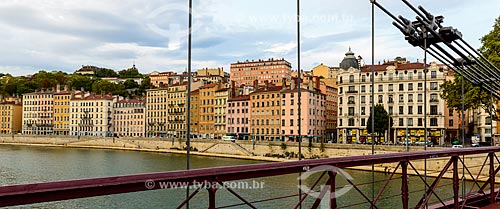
x,y
482,191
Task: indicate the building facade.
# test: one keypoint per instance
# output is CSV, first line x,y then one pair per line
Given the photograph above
x,y
129,117
92,116
195,116
238,117
399,87
38,113
207,110
62,110
272,70
221,97
11,114
265,113
156,112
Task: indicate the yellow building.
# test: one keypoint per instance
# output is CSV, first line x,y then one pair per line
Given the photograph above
x,y
11,114
207,113
322,71
195,117
211,72
177,103
156,112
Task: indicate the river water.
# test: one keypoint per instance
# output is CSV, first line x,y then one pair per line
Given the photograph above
x,y
25,164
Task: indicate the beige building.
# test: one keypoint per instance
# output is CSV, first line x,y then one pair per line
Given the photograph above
x,y
177,104
129,117
11,114
160,79
92,115
221,97
62,110
38,113
211,71
399,87
156,112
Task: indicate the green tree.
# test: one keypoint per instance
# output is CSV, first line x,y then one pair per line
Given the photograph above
x,y
130,73
77,81
381,120
474,96
103,86
491,44
104,72
130,84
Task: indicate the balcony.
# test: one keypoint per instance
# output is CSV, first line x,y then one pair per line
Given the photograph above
x,y
434,100
351,102
351,92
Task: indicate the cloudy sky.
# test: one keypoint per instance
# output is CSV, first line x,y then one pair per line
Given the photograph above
x,y
63,35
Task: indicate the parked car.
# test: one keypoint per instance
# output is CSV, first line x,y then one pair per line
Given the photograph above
x,y
457,146
229,138
423,142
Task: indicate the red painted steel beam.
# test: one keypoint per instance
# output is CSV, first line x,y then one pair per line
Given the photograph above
x,y
72,189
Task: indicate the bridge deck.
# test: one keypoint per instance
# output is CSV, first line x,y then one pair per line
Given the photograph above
x,y
492,206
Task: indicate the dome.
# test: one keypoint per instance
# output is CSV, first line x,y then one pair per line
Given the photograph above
x,y
349,61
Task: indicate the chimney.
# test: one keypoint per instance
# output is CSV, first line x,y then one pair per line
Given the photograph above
x,y
310,85
292,84
58,88
256,85
233,88
283,83
318,84
65,87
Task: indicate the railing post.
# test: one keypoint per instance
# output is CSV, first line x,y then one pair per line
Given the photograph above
x,y
333,198
492,177
212,189
456,183
404,184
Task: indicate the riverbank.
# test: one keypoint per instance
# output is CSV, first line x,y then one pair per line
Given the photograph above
x,y
247,150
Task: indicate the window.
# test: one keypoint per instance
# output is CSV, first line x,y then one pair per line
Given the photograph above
x,y
380,88
351,79
450,112
390,76
351,111
363,89
401,76
363,110
419,109
433,74
419,98
340,111
420,122
450,123
401,87
363,99
434,121
351,122
341,80
420,86
291,111
340,100
291,122
434,86
340,122
401,110
410,87
420,75
410,97
352,89
410,110
390,110
391,99
410,121
391,87
340,89
401,98
363,122
380,98
434,109
401,122
434,98
363,78
488,120
410,75
351,100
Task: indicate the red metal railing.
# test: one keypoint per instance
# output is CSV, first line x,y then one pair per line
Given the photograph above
x,y
64,190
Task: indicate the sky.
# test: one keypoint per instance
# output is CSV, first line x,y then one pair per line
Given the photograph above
x,y
64,35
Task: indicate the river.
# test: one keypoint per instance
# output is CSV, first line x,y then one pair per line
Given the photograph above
x,y
27,164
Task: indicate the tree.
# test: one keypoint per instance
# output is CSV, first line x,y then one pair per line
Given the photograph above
x,y
491,44
381,120
474,96
130,84
77,81
103,86
104,72
130,73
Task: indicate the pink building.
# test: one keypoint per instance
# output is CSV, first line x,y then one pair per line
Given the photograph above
x,y
238,116
312,114
129,117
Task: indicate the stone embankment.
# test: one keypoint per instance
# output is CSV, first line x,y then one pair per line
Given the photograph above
x,y
265,151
